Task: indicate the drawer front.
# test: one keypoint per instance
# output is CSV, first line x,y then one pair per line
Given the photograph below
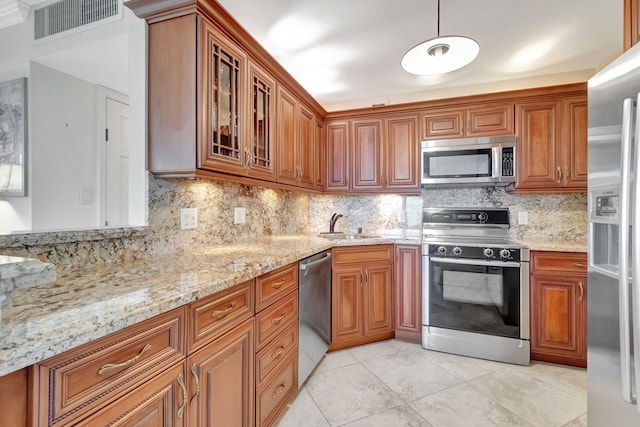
x,y
158,402
568,263
275,319
78,381
360,254
275,394
216,314
272,286
273,355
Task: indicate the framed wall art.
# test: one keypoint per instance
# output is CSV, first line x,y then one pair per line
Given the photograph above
x,y
13,137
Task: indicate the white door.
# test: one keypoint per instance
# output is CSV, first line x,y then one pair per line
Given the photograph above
x,y
116,164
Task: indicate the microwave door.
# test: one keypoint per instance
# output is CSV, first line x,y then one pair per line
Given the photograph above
x,y
462,166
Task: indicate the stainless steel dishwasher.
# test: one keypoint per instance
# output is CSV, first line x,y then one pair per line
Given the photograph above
x,y
314,281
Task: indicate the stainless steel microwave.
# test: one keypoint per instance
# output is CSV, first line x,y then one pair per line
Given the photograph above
x,y
469,161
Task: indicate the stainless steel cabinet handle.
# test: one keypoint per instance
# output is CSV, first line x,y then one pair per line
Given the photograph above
x,y
184,396
104,369
219,314
194,371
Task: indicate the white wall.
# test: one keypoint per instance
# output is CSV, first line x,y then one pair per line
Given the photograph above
x,y
63,151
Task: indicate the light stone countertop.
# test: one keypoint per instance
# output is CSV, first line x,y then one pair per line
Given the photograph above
x,y
20,273
553,245
90,303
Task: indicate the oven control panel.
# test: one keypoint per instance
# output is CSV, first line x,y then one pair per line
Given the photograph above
x,y
493,253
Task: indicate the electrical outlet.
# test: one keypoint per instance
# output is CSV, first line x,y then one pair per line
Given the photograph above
x,y
239,216
188,218
523,218
402,216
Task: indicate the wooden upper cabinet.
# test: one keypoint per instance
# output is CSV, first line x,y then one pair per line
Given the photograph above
x,y
366,154
402,154
552,145
320,155
260,162
483,120
337,155
295,164
631,23
223,145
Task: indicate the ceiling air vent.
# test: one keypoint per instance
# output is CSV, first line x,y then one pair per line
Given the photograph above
x,y
67,15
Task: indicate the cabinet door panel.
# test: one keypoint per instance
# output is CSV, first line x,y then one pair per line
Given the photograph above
x,y
225,375
538,163
402,154
575,125
490,120
438,124
287,128
378,299
558,319
224,65
366,154
320,155
346,303
338,156
262,128
305,147
408,293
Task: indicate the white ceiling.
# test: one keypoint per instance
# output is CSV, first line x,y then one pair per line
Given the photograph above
x,y
347,53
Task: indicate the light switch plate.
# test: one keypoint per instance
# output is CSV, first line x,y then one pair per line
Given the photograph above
x,y
188,218
523,218
239,216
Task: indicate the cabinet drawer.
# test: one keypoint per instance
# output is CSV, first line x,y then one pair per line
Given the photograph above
x,y
276,319
570,263
273,355
361,254
76,382
274,395
155,403
272,286
216,314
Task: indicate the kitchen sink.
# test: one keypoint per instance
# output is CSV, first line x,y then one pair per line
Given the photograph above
x,y
346,236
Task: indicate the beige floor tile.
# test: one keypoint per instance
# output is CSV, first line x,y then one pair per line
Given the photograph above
x,y
349,393
569,379
374,351
303,412
537,401
578,422
336,359
401,416
411,376
463,367
463,406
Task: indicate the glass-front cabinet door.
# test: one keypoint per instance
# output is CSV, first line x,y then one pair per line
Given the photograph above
x,y
260,150
223,73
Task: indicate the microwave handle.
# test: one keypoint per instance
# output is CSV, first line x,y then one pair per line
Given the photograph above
x,y
496,162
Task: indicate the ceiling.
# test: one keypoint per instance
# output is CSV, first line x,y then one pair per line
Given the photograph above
x,y
347,53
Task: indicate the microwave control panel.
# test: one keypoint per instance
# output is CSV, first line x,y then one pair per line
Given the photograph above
x,y
507,161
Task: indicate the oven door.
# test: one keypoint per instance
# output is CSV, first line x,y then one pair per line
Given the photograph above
x,y
481,296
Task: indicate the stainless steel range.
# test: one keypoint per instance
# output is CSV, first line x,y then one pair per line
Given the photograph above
x,y
475,285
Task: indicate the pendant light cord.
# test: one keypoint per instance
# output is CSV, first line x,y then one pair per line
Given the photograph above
x,y
438,18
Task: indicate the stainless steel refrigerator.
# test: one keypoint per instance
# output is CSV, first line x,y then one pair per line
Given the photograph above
x,y
613,297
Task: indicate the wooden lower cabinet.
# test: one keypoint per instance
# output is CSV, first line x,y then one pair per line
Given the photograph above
x,y
222,380
408,293
362,295
559,308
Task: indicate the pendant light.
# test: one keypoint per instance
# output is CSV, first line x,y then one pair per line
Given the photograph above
x,y
440,55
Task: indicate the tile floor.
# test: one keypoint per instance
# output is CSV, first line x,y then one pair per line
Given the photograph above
x,y
397,384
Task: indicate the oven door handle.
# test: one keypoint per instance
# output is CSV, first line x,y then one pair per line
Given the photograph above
x,y
481,262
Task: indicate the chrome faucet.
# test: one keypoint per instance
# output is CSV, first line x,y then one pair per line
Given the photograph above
x,y
332,222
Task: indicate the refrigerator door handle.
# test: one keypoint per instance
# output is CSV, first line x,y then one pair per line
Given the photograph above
x,y
623,281
635,263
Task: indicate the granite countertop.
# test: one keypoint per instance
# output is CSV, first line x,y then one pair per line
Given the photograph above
x,y
553,245
90,303
20,273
